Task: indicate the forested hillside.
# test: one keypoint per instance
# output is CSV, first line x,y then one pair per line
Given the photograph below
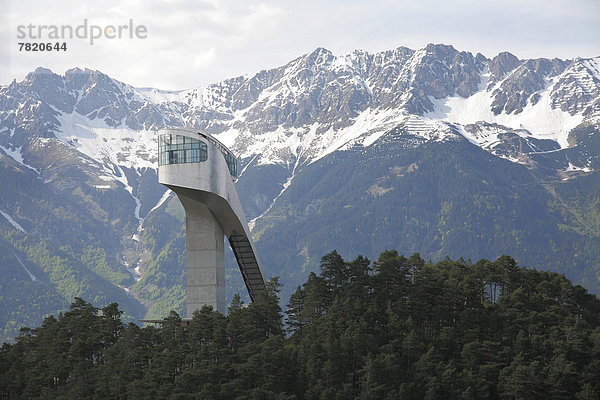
x,y
397,328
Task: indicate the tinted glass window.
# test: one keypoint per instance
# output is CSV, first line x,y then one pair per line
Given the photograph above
x,y
177,149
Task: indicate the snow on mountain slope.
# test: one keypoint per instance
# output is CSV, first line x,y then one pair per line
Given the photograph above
x,y
593,65
14,223
487,136
314,105
17,155
540,119
113,149
547,108
107,145
313,141
158,96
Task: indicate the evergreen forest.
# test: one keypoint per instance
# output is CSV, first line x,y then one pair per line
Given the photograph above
x,y
395,328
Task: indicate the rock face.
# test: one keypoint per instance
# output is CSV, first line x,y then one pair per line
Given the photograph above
x,y
354,152
320,87
577,91
501,65
525,84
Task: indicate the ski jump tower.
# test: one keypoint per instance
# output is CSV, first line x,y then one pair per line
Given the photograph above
x,y
201,171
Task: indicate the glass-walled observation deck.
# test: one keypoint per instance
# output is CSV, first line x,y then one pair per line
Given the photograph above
x,y
179,149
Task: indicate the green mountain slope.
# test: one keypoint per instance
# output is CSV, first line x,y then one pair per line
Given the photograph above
x,y
441,199
71,241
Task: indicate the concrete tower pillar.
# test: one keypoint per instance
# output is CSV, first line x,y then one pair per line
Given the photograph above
x,y
204,246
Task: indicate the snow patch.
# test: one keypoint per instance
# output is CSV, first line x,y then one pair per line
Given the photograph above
x,y
31,276
367,127
543,121
158,96
12,221
141,220
17,155
574,168
313,142
593,66
487,136
164,198
107,145
285,185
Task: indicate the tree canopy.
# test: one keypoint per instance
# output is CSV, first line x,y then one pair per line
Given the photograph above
x,y
396,328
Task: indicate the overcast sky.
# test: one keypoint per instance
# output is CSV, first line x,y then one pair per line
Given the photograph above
x,y
191,43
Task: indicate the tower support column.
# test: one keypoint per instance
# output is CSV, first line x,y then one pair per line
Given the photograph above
x,y
204,258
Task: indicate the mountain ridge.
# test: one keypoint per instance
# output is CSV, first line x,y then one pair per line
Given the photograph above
x,y
83,148
233,107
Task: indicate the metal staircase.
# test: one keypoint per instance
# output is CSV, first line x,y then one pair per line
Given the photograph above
x,y
246,259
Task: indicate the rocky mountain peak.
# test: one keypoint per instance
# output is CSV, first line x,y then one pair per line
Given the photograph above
x,y
317,57
501,65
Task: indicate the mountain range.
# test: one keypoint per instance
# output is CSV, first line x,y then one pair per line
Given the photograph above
x,y
434,150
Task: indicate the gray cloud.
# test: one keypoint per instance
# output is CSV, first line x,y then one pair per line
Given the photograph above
x,y
194,42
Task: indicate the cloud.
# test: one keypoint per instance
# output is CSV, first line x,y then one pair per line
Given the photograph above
x,y
193,42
